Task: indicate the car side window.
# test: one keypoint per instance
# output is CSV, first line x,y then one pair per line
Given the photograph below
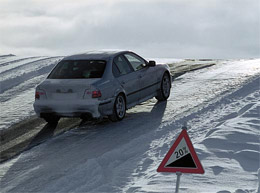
x,y
135,61
120,66
115,70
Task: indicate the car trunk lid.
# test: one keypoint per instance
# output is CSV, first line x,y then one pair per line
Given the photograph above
x,y
68,89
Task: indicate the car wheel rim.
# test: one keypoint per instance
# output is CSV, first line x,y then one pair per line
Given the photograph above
x,y
166,86
120,107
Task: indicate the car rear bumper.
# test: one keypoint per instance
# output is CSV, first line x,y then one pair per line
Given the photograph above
x,y
65,108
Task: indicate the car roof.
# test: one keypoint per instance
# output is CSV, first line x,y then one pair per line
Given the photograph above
x,y
95,55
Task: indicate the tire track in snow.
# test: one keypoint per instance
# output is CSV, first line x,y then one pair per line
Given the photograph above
x,y
24,67
35,69
11,93
12,65
5,59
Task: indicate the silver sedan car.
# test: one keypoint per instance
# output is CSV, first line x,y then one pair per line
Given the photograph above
x,y
97,84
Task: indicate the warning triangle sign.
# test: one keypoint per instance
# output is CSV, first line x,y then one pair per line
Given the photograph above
x,y
181,157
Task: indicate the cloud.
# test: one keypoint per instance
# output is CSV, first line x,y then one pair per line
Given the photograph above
x,y
180,28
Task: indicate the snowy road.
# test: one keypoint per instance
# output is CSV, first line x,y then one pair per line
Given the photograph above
x,y
220,105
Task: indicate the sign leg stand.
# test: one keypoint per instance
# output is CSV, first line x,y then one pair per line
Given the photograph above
x,y
178,182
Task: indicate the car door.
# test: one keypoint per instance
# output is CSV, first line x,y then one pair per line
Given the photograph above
x,y
146,75
128,79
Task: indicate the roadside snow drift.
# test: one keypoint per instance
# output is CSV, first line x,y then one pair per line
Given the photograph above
x,y
19,77
220,106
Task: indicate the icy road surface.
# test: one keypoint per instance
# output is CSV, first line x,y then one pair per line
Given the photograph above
x,y
221,107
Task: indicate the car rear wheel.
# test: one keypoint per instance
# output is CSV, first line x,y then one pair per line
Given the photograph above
x,y
165,88
119,109
51,119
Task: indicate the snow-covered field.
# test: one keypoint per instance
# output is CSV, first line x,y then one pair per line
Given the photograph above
x,y
220,105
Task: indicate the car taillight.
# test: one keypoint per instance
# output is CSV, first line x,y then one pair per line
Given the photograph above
x,y
38,94
96,94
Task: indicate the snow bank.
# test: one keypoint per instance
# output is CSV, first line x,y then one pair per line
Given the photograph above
x,y
19,77
167,60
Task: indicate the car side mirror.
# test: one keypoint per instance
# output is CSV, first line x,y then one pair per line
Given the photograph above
x,y
151,63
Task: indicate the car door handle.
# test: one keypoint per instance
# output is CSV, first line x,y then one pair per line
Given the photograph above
x,y
140,76
122,82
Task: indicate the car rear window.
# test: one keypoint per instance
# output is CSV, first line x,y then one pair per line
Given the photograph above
x,y
78,69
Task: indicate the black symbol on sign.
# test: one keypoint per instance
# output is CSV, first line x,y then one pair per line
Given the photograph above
x,y
184,162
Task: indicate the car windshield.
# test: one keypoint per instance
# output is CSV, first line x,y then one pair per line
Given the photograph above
x,y
78,69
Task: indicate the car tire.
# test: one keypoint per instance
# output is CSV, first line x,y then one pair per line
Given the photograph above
x,y
165,88
119,109
51,119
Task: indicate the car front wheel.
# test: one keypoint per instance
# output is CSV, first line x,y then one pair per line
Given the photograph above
x,y
165,88
119,110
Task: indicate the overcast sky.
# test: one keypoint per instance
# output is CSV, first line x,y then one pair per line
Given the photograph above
x,y
152,28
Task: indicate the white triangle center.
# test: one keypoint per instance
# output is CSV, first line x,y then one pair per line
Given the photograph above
x,y
180,151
